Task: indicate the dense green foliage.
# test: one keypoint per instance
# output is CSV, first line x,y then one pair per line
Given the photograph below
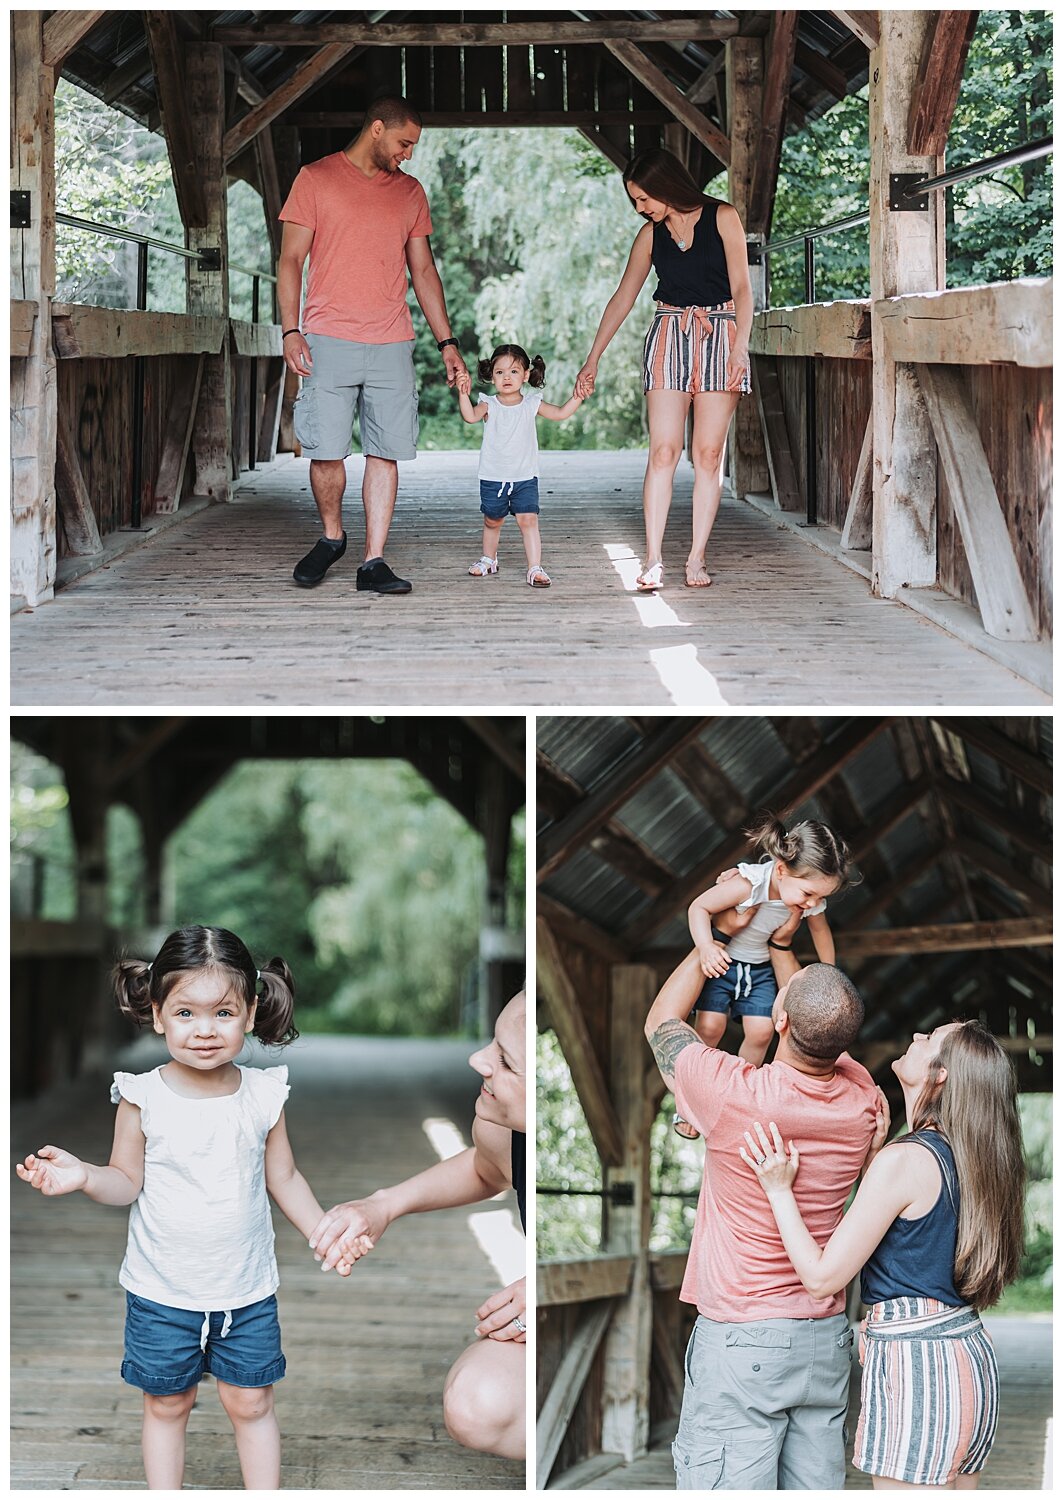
x,y
357,873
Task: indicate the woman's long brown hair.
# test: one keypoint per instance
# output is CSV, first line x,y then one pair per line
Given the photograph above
x,y
975,1109
663,176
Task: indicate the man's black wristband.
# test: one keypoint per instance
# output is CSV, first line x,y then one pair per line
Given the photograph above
x,y
287,331
442,344
782,947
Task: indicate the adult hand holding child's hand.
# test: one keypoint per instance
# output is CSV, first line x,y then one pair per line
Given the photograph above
x,y
464,383
346,1233
715,959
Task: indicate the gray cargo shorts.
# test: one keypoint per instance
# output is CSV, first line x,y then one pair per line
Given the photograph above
x,y
377,380
764,1405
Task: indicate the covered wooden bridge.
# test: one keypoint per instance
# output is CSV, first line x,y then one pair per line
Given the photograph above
x,y
63,1020
891,420
950,822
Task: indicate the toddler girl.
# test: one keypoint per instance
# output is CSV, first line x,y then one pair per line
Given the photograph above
x,y
799,869
509,458
197,1143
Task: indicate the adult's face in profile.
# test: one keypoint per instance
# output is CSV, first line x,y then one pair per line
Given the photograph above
x,y
392,146
650,208
501,1066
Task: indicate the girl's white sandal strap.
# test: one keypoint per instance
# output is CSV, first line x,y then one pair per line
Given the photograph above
x,y
484,568
538,578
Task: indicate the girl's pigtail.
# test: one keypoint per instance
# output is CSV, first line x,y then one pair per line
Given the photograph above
x,y
484,369
768,834
274,1018
131,979
538,371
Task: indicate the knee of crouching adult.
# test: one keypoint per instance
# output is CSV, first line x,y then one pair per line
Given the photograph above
x,y
471,1408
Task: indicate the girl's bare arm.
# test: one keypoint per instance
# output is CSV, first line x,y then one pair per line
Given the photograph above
x,y
822,937
54,1171
560,413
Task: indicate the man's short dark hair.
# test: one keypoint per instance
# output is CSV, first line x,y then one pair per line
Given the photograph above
x,y
392,111
825,1012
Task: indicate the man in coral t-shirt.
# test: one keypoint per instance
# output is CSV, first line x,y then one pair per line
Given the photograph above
x,y
364,223
767,1369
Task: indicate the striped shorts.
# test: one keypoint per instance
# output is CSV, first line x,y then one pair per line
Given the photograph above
x,y
687,349
929,1395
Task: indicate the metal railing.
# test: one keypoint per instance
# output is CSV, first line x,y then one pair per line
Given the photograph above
x,y
911,186
207,260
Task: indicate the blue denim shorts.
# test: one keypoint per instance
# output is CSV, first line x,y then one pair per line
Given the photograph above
x,y
168,1349
745,990
511,497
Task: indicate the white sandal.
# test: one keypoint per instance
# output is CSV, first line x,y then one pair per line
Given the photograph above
x,y
538,577
651,578
484,568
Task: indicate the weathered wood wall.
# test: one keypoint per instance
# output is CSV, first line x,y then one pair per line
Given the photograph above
x,y
1013,409
556,1328
843,401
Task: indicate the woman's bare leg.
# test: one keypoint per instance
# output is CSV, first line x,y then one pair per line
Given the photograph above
x,y
667,415
713,411
483,1398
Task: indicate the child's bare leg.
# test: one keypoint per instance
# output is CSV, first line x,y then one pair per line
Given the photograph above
x,y
710,1026
492,531
258,1437
528,522
759,1031
163,1438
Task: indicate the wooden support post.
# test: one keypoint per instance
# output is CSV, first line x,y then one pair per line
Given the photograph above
x,y
907,255
33,394
564,1394
768,398
625,1393
493,821
745,77
856,531
73,499
271,410
208,290
178,439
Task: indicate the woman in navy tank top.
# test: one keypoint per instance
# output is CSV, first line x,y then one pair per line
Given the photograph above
x,y
697,349
936,1232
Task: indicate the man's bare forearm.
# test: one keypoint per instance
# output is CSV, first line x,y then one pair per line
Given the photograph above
x,y
667,1042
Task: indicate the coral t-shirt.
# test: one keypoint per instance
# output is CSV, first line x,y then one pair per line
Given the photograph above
x,y
356,287
737,1270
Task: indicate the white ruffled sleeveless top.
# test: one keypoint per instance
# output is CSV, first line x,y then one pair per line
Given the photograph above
x,y
200,1233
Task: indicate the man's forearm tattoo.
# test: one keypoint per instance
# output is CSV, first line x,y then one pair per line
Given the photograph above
x,y
668,1041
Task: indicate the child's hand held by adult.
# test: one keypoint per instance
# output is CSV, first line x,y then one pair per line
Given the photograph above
x,y
53,1172
715,959
774,1166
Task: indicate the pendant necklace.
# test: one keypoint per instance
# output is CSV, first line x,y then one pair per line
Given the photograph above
x,y
682,243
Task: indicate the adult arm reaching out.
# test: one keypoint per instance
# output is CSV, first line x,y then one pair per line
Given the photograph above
x,y
666,1028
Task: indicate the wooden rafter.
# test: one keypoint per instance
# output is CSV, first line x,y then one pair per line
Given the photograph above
x,y
1033,837
306,77
579,930
65,30
704,86
821,69
700,774
937,85
566,1013
599,805
609,150
1029,768
998,582
690,115
145,747
557,794
804,783
168,66
1006,872
946,937
269,183
490,733
433,119
775,97
863,24
519,31
889,815
887,894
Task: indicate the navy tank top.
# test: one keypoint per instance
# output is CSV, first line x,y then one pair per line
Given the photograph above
x,y
516,1157
917,1257
697,276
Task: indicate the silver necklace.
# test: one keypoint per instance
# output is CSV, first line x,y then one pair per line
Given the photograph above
x,y
682,243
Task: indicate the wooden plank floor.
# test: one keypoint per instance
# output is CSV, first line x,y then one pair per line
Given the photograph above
x,y
360,1406
1024,1352
206,613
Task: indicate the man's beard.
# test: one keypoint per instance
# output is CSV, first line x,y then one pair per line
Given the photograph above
x,y
382,161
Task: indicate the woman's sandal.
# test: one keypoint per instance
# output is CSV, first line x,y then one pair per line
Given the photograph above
x,y
651,578
483,568
696,568
538,577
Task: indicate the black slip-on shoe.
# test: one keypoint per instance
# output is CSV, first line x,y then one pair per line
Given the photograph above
x,y
310,570
378,578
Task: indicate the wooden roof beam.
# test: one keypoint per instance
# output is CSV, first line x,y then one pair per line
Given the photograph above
x,y
704,86
937,86
600,804
490,734
518,32
1006,873
863,24
171,88
1023,763
307,76
557,794
775,99
947,937
804,783
579,930
64,31
690,115
820,68
603,144
890,815
566,1013
885,897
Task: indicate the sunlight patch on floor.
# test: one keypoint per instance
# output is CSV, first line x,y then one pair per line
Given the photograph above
x,y
500,1239
684,678
653,611
444,1137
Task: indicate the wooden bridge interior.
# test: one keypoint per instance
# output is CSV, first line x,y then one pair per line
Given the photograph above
x,y
950,823
956,524
162,768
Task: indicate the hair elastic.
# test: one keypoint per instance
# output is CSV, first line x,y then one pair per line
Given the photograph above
x,y
258,975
